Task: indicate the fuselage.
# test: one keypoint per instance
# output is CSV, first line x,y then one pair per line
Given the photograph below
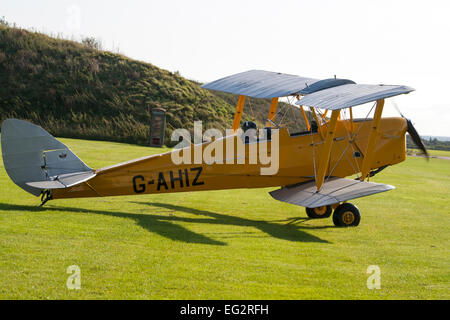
x,y
298,159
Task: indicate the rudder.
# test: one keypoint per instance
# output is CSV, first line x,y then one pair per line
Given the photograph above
x,y
36,161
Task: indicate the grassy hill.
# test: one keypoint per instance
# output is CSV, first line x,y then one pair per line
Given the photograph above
x,y
75,90
232,244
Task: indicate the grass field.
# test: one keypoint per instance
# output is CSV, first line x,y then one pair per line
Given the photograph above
x,y
238,244
433,153
442,153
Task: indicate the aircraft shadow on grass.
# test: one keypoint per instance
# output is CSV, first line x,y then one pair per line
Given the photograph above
x,y
166,226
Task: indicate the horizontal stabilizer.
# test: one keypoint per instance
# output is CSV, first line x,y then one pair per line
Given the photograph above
x,y
334,190
63,181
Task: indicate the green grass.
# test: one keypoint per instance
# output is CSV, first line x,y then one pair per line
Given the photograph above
x,y
443,153
238,244
440,153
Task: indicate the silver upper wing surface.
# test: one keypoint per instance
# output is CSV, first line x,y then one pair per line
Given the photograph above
x,y
350,95
330,94
261,84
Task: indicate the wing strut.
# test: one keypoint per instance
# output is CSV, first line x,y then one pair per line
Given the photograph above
x,y
238,114
368,155
319,126
326,151
272,111
308,127
352,129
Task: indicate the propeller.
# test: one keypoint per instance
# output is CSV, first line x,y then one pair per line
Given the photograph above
x,y
413,133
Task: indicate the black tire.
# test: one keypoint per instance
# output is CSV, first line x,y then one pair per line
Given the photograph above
x,y
319,213
335,219
346,215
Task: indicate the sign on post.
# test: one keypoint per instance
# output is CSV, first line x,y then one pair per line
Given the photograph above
x,y
157,127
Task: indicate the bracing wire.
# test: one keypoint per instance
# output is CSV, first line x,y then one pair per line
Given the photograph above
x,y
350,137
251,109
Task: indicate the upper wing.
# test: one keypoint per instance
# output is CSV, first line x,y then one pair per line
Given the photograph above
x,y
350,95
261,84
327,93
334,190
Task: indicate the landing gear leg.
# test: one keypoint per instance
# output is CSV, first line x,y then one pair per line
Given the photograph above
x,y
346,215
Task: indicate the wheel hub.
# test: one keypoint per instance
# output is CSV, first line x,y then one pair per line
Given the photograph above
x,y
320,210
348,217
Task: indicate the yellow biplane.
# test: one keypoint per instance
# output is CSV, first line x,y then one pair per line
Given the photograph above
x,y
311,165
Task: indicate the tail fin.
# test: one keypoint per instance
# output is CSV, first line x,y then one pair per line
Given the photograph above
x,y
36,161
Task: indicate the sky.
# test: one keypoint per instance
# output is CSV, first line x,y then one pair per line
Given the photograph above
x,y
389,42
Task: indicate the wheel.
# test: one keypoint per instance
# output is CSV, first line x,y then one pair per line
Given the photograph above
x,y
346,215
319,212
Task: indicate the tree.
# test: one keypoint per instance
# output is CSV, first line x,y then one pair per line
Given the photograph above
x,y
92,43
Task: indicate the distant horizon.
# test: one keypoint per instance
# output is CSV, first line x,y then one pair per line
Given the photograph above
x,y
439,138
